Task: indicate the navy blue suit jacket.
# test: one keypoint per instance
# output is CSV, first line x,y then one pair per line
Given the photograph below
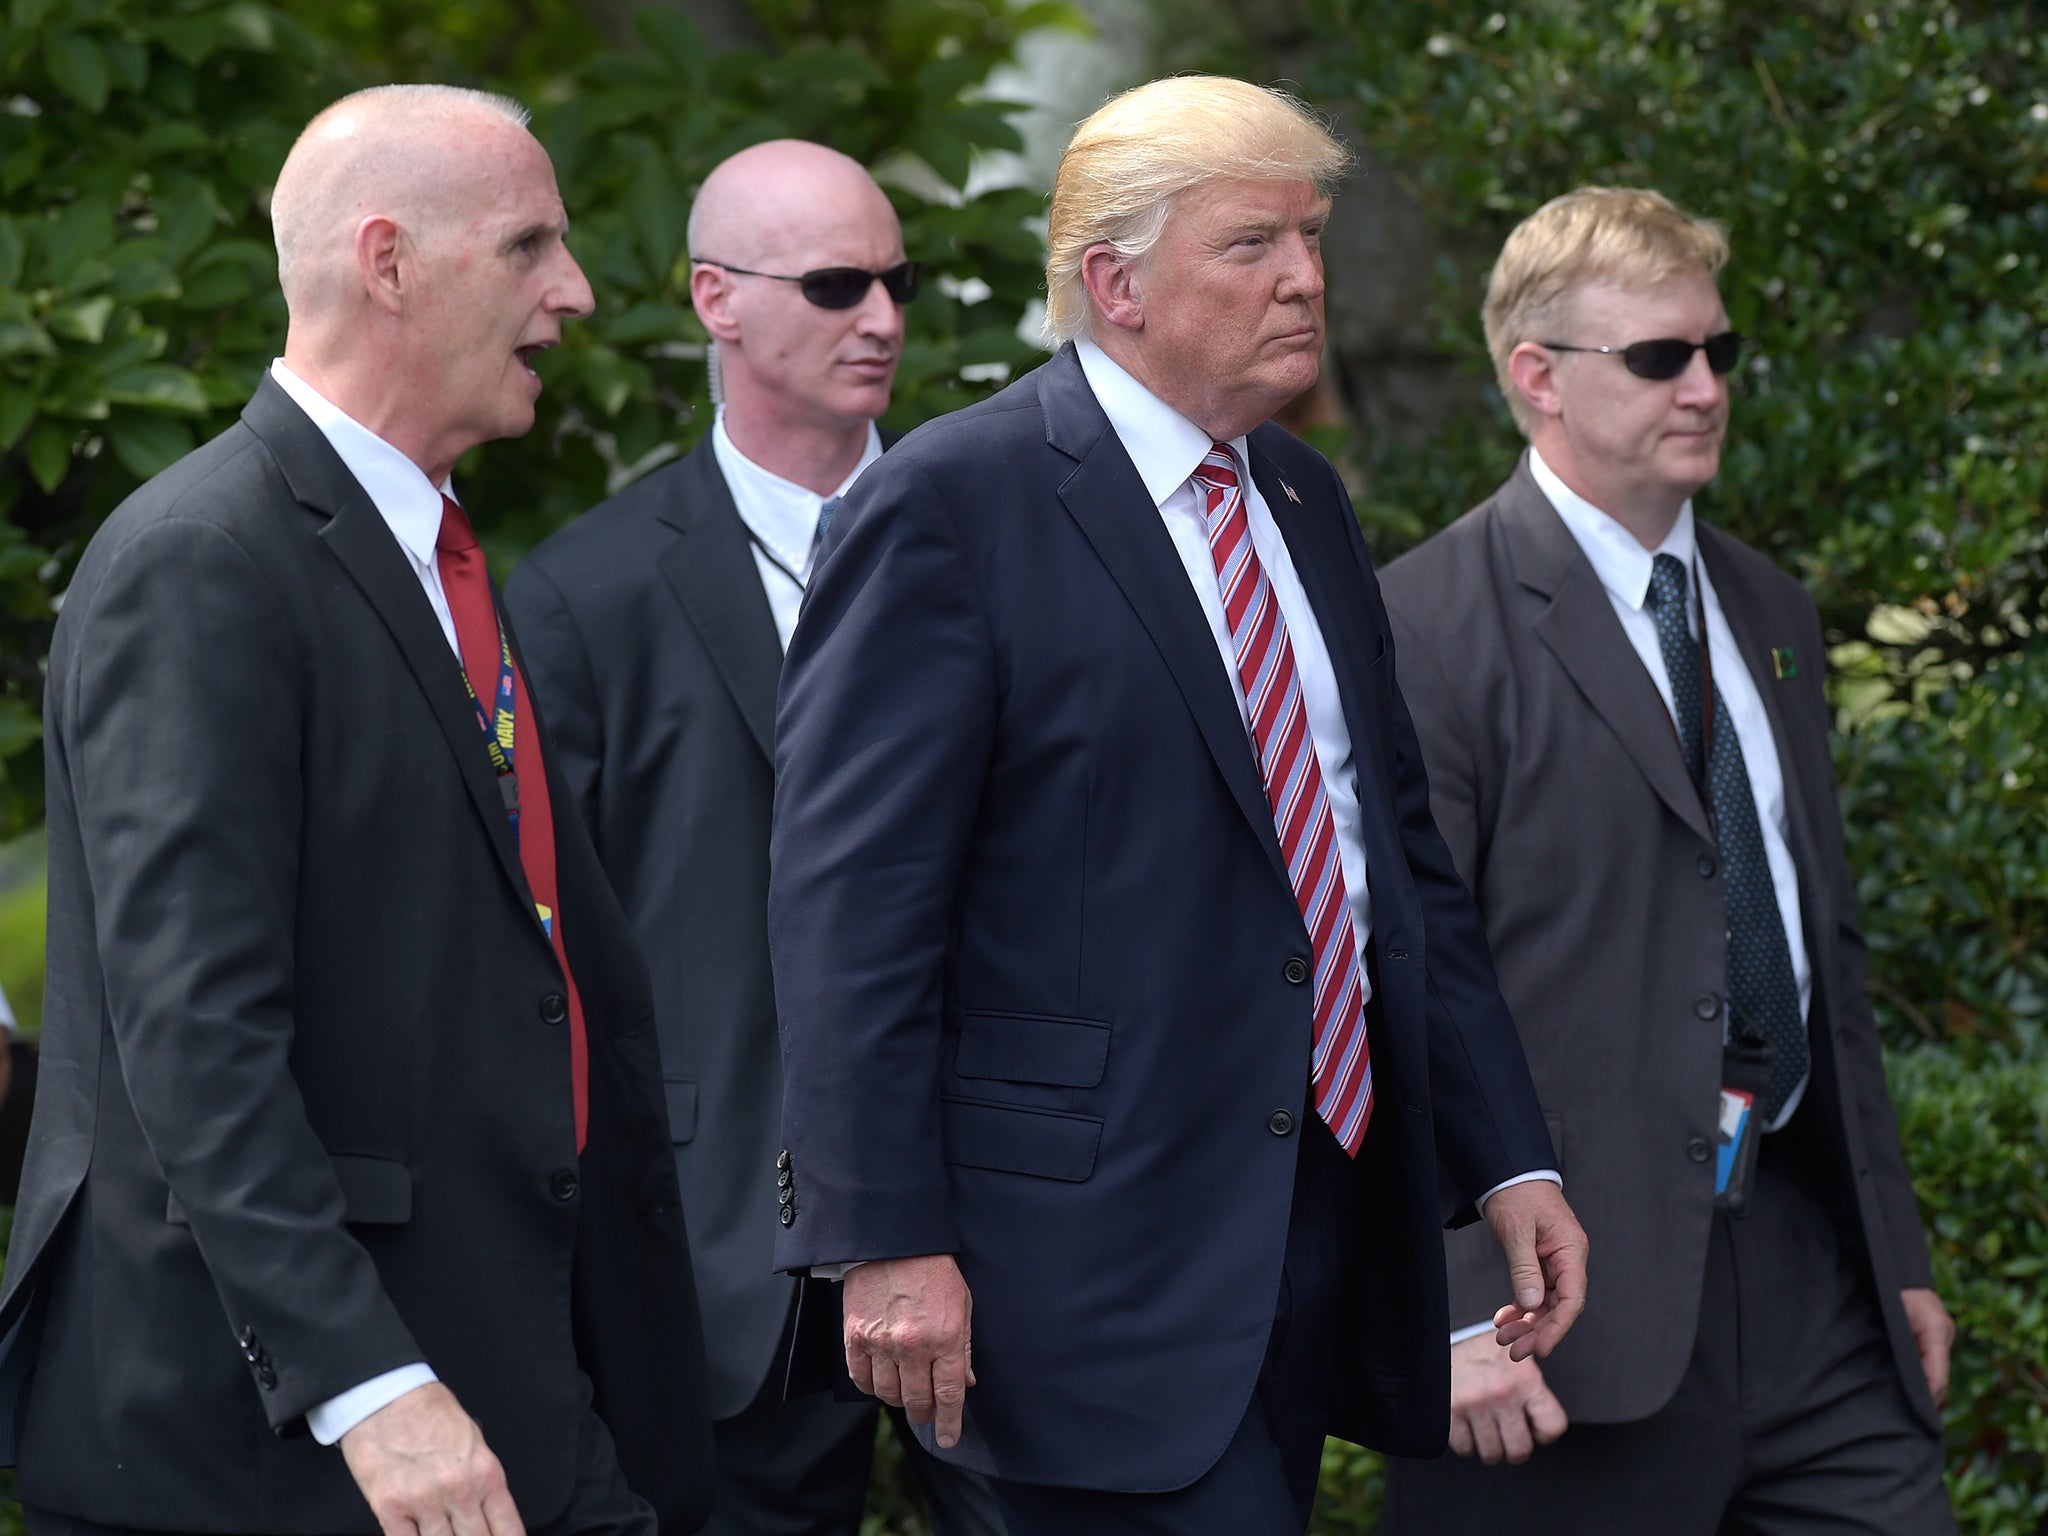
x,y
1032,942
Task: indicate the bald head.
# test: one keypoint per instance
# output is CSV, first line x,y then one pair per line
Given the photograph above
x,y
402,151
777,200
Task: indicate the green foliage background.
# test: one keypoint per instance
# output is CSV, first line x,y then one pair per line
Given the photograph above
x,y
1881,166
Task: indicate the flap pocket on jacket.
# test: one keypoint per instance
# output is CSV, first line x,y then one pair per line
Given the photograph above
x,y
375,1191
1010,1139
1033,1048
682,1109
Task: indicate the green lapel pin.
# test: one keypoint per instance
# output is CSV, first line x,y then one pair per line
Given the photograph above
x,y
1782,663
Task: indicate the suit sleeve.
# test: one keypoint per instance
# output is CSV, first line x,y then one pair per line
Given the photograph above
x,y
884,730
1859,1057
558,672
1475,1268
182,728
1489,1126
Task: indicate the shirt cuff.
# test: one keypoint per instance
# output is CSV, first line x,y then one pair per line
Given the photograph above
x,y
836,1271
1521,1178
330,1420
1460,1335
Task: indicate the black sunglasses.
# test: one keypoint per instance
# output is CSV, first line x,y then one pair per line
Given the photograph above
x,y
839,287
1668,357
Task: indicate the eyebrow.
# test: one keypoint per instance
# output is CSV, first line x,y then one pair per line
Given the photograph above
x,y
519,237
1263,226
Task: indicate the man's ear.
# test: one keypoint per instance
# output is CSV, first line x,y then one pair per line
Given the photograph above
x,y
384,262
1534,371
712,292
1115,286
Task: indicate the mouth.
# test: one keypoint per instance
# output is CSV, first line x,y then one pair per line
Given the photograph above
x,y
528,353
872,367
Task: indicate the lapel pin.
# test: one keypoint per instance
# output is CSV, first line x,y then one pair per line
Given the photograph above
x,y
1290,493
1783,665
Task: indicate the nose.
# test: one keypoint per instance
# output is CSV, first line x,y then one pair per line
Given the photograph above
x,y
570,295
1699,386
877,315
1301,276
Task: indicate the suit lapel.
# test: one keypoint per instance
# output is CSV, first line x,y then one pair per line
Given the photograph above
x,y
1580,629
1352,644
1108,499
711,570
361,540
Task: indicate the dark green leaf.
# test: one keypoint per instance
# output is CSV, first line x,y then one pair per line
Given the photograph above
x,y
49,454
148,444
17,410
77,67
157,387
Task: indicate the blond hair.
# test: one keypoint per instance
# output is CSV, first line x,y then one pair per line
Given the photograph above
x,y
1127,163
1625,235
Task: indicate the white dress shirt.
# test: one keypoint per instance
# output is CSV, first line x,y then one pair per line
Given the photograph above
x,y
410,504
781,518
1623,566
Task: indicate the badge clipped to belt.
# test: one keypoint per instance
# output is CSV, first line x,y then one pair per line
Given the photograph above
x,y
1745,1072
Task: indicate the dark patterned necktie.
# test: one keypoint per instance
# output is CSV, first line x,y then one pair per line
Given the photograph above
x,y
1762,992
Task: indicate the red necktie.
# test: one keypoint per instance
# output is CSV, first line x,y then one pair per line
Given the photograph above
x,y
1341,1066
467,585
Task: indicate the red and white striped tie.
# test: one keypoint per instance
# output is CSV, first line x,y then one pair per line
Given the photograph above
x,y
1341,1064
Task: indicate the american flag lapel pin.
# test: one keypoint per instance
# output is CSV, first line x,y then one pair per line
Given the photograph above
x,y
1290,493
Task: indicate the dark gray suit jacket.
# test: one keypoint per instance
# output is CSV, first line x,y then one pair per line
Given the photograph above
x,y
1558,783
305,1106
652,644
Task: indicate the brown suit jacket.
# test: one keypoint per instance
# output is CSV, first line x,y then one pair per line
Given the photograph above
x,y
1558,783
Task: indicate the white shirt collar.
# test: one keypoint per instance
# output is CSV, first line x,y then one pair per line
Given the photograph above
x,y
1617,557
781,514
1164,445
400,490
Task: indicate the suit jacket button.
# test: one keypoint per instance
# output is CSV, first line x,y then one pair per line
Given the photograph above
x,y
1295,970
785,1179
788,1215
786,1195
247,1338
1705,865
1280,1122
1698,1149
1707,1006
267,1375
782,1162
554,1008
563,1185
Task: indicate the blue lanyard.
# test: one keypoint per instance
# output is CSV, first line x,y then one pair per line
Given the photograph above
x,y
501,732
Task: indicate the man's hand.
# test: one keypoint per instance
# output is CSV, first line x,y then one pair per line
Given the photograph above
x,y
1546,1249
908,1339
1934,1331
1501,1409
423,1466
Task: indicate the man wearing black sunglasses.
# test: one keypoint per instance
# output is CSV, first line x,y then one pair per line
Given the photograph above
x,y
654,628
1622,716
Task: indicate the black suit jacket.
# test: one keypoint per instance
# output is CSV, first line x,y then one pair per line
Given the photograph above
x,y
653,646
1037,958
1559,785
305,1112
